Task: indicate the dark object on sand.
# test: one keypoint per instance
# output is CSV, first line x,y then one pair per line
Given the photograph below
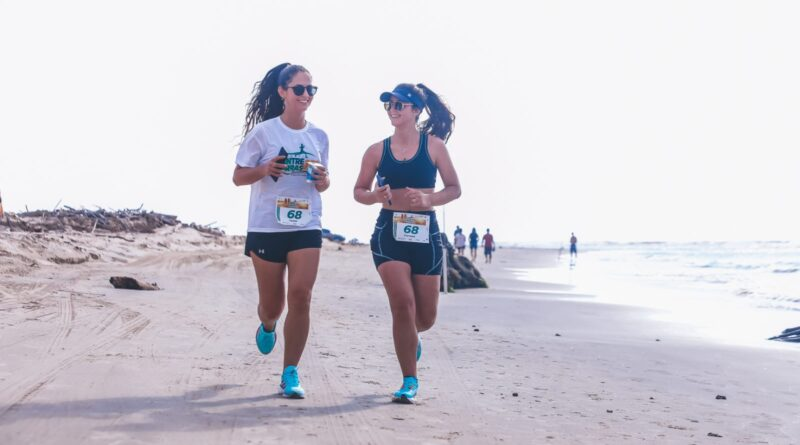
x,y
461,273
335,237
719,397
791,334
132,283
714,435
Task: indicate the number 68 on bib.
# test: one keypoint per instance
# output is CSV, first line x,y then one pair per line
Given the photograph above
x,y
292,211
411,227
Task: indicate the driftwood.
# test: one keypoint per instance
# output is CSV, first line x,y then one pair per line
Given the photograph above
x,y
90,221
791,334
132,283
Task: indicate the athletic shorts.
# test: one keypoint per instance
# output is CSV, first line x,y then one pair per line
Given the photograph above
x,y
473,245
274,246
487,250
424,258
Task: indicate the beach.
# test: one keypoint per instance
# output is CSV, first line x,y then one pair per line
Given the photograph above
x,y
519,362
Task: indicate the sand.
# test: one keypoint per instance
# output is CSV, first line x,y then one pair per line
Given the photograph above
x,y
82,362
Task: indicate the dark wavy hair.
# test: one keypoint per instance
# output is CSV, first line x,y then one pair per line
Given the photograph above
x,y
266,103
441,120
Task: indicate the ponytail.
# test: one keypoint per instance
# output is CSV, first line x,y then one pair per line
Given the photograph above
x,y
266,103
441,120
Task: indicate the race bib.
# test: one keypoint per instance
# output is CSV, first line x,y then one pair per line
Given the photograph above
x,y
411,227
293,211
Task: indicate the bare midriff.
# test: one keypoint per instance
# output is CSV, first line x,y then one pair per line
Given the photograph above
x,y
401,202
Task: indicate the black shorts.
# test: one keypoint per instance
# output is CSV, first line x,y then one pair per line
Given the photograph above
x,y
274,247
424,258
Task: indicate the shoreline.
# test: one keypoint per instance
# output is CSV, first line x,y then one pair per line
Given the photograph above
x,y
81,362
711,315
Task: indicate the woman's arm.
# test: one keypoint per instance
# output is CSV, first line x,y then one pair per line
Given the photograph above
x,y
249,175
362,192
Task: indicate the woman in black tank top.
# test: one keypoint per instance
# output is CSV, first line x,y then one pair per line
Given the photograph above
x,y
406,245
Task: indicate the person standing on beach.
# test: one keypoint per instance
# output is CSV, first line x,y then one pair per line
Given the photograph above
x,y
573,246
488,246
473,244
459,242
284,159
406,244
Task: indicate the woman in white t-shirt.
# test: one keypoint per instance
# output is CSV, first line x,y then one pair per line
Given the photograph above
x,y
284,159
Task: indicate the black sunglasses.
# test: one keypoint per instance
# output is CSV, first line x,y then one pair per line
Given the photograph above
x,y
398,106
298,89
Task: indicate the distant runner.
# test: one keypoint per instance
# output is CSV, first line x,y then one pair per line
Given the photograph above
x,y
488,246
573,246
473,244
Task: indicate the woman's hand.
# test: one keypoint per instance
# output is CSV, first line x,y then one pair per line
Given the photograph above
x,y
383,194
321,179
418,199
274,167
320,174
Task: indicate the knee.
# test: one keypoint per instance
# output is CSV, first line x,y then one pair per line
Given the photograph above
x,y
403,309
426,320
269,312
299,300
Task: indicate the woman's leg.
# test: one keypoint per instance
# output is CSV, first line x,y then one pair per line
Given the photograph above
x,y
269,277
303,265
426,298
396,277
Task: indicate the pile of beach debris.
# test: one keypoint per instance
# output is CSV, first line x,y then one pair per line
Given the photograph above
x,y
66,218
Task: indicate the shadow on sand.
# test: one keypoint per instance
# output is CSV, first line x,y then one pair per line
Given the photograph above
x,y
201,409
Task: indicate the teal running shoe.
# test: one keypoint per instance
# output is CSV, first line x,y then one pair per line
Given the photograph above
x,y
408,392
265,340
419,348
290,384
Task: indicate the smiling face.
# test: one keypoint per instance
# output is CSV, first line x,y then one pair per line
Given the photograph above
x,y
401,113
293,102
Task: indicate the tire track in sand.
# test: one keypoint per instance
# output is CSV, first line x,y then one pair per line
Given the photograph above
x,y
66,316
26,389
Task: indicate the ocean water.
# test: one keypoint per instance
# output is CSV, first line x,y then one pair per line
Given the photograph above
x,y
736,292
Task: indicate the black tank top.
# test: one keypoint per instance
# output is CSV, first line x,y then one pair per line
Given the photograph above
x,y
417,172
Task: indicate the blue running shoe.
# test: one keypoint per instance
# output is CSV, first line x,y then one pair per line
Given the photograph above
x,y
419,348
290,384
265,340
408,392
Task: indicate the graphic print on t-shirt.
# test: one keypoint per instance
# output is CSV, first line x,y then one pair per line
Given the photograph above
x,y
297,161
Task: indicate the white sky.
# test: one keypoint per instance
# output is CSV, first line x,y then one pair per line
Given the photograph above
x,y
618,120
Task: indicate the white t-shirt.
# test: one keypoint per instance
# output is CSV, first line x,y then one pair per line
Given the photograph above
x,y
460,240
263,143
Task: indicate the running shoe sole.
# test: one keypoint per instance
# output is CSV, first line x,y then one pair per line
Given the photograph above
x,y
404,400
293,395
